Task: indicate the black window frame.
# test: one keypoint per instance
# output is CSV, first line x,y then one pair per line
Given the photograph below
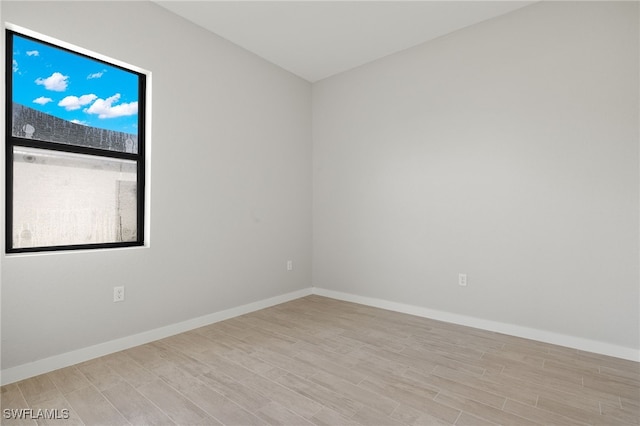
x,y
15,141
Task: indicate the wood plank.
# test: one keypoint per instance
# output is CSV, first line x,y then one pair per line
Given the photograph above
x,y
93,408
134,407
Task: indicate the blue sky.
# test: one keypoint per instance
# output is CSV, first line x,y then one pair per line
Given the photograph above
x,y
73,87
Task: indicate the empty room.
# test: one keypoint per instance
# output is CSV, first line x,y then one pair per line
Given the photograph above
x,y
320,213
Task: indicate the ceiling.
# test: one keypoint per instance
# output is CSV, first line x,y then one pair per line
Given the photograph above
x,y
318,39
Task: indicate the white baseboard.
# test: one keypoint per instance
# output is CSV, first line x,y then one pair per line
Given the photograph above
x,y
55,362
498,327
24,371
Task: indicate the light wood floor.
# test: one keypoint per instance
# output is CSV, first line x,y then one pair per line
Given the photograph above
x,y
320,361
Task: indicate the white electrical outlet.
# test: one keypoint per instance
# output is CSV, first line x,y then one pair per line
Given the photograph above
x,y
289,265
462,280
118,294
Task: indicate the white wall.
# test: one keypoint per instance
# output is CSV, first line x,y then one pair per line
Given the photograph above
x,y
230,188
507,151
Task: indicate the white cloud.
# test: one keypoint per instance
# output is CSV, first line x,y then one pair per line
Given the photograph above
x,y
15,66
105,108
71,103
33,53
76,121
56,82
42,100
96,75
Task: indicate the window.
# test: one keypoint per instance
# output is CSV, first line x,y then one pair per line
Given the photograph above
x,y
75,149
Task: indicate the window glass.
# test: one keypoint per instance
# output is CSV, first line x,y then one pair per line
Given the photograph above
x,y
60,96
63,198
